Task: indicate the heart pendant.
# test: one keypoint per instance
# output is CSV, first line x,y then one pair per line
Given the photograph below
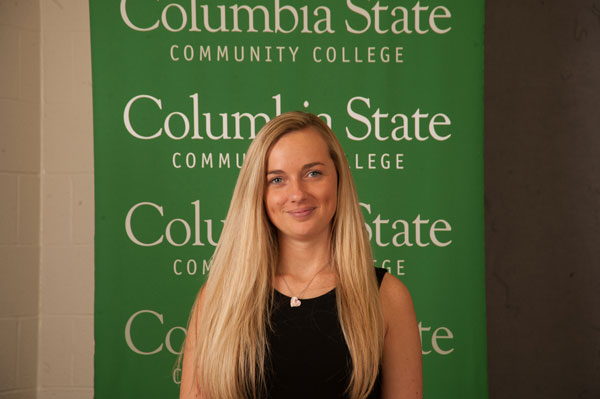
x,y
295,302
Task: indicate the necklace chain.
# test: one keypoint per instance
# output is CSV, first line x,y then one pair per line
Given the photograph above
x,y
295,301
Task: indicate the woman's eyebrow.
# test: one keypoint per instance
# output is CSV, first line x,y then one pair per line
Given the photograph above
x,y
307,166
310,165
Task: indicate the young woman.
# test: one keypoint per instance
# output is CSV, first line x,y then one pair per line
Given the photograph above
x,y
293,307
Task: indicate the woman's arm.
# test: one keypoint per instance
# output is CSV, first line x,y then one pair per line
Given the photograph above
x,y
402,362
189,386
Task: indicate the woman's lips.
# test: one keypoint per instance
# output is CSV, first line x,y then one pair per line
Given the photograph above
x,y
300,213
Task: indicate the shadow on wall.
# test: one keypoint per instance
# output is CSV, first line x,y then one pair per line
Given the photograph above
x,y
542,198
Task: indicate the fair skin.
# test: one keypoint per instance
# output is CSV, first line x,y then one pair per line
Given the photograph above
x,y
188,388
300,200
402,375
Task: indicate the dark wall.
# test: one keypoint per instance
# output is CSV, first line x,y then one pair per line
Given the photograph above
x,y
542,198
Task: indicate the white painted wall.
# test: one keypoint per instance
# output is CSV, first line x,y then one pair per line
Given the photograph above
x,y
46,200
20,162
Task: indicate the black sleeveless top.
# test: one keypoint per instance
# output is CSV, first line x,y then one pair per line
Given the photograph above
x,y
308,356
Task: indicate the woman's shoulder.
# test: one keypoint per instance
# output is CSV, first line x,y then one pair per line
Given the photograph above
x,y
395,297
396,301
392,288
402,375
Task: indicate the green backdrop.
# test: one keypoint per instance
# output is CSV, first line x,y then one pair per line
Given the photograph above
x,y
181,87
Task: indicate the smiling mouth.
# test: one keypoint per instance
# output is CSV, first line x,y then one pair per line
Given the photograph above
x,y
300,213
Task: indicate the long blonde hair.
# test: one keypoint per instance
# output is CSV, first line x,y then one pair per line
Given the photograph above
x,y
231,341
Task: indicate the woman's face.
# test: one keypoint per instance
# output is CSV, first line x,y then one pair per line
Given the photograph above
x,y
301,186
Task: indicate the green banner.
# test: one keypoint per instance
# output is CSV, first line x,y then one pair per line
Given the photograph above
x,y
180,89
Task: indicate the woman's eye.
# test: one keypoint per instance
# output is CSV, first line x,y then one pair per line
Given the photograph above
x,y
314,173
276,180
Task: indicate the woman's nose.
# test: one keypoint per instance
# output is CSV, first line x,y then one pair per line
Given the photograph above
x,y
297,191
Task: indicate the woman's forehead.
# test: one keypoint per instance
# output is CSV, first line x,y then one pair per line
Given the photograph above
x,y
298,148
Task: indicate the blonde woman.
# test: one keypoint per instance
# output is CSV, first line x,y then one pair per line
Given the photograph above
x,y
293,307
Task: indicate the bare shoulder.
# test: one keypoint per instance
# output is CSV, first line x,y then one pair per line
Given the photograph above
x,y
189,387
402,367
392,287
396,301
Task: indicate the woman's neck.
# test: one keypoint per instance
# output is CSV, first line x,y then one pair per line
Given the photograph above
x,y
303,259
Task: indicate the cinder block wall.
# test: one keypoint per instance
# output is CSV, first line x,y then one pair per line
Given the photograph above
x,y
19,196
46,200
67,210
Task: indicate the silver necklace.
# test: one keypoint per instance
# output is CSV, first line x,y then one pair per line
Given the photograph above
x,y
294,301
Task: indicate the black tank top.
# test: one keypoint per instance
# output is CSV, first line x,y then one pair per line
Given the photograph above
x,y
308,356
